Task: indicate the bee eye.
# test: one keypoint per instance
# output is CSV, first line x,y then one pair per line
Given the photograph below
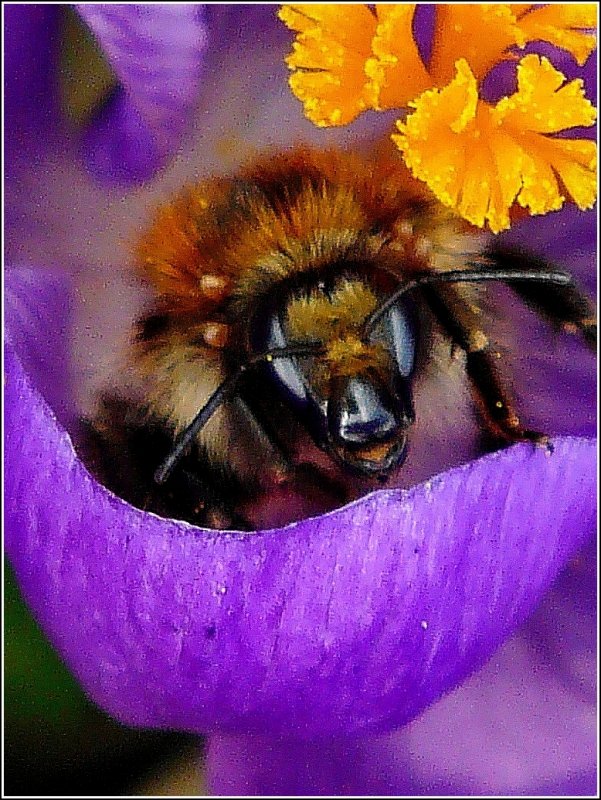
x,y
396,331
286,371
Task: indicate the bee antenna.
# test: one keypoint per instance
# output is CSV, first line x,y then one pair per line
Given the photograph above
x,y
223,392
465,276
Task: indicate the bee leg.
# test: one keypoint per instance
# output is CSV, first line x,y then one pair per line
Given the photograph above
x,y
495,403
566,307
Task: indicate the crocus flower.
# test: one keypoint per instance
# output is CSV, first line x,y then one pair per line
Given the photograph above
x,y
353,652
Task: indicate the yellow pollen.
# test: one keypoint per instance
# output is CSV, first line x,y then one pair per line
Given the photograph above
x,y
478,341
215,334
215,287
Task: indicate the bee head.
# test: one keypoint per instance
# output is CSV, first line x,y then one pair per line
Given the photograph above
x,y
342,353
353,394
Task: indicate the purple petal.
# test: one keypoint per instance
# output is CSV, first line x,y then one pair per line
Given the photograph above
x,y
33,119
35,302
119,145
424,26
31,39
354,621
566,238
524,724
552,375
386,766
157,53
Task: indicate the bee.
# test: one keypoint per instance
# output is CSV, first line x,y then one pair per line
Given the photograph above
x,y
301,299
